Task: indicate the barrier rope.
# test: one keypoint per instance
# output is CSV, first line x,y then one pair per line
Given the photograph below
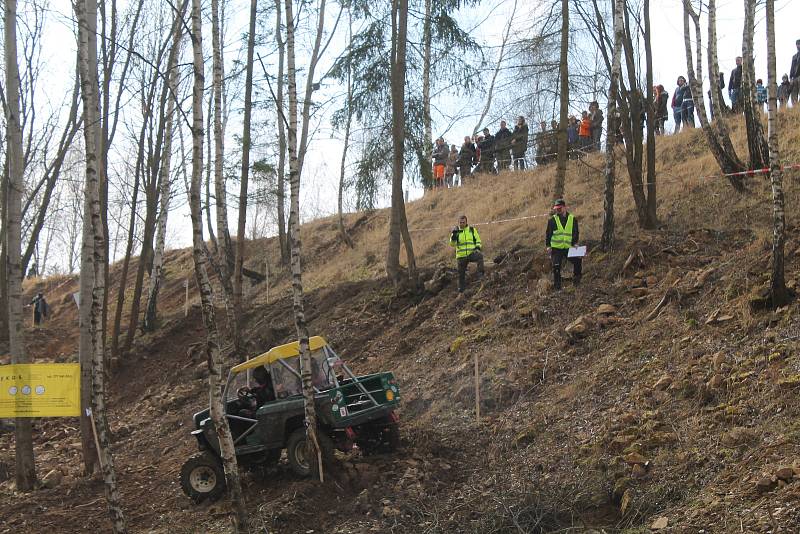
x,y
498,221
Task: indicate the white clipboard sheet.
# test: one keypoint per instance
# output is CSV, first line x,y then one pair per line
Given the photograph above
x,y
576,252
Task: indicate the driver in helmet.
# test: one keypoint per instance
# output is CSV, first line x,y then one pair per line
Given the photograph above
x,y
257,395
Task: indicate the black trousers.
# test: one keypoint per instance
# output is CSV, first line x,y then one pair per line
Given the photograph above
x,y
557,256
474,257
519,162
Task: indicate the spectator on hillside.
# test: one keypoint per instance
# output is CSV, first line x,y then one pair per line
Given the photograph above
x,y
466,158
476,160
784,90
585,132
540,143
572,136
502,146
761,92
439,162
554,135
486,148
735,85
40,309
519,143
711,98
450,166
677,116
33,271
596,117
687,103
794,74
660,99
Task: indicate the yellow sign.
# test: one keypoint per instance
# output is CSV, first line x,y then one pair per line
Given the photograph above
x,y
40,390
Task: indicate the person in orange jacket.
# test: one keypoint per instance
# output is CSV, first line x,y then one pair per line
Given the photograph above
x,y
585,131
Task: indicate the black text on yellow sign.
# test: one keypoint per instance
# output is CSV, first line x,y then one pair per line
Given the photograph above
x,y
40,390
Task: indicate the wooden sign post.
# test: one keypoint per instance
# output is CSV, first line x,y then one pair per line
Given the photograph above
x,y
477,390
186,302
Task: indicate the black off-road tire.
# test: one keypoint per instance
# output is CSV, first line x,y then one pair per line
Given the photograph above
x,y
380,439
295,452
202,477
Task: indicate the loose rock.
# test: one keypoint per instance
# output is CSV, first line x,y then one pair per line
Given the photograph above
x,y
606,309
467,317
659,523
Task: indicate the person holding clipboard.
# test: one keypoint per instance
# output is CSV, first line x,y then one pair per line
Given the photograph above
x,y
560,240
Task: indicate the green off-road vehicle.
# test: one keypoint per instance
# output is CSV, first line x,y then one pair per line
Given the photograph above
x,y
264,409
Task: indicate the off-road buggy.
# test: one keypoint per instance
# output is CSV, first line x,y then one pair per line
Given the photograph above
x,y
351,411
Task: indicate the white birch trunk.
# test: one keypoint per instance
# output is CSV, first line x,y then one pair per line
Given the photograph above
x,y
217,410
242,222
346,143
427,142
726,158
298,303
756,142
607,241
157,274
226,258
778,291
23,445
86,13
281,171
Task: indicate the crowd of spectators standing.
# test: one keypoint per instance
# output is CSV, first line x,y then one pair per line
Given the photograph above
x,y
480,153
487,153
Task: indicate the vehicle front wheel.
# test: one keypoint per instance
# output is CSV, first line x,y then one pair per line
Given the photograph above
x,y
260,460
202,477
298,458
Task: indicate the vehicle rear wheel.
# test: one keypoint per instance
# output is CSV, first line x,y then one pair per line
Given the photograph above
x,y
298,458
202,477
379,439
391,438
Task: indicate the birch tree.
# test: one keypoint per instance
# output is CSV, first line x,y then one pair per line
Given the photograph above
x,y
427,140
718,141
279,104
348,121
563,74
86,15
23,445
214,360
157,272
718,106
650,153
756,141
245,176
607,240
778,291
298,303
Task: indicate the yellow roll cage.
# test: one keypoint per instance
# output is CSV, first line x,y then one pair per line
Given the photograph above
x,y
281,352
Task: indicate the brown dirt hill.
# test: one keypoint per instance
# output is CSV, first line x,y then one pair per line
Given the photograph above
x,y
689,413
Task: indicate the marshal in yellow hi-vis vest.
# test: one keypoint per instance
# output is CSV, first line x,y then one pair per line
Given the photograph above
x,y
562,236
40,390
